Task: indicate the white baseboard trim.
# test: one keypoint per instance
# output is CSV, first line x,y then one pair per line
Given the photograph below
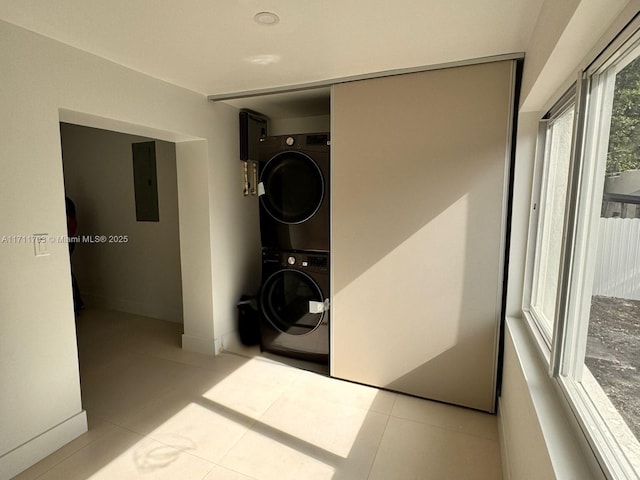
x,y
504,444
206,346
31,452
231,343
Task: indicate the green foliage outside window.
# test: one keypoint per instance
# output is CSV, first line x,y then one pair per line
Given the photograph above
x,y
624,139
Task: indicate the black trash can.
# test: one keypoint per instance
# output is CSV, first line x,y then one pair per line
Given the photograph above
x,y
249,320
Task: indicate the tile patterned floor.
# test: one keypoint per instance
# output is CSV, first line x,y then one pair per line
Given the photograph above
x,y
158,412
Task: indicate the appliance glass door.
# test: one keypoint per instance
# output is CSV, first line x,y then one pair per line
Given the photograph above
x,y
293,187
285,299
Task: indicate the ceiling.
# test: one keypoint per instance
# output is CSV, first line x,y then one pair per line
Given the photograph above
x,y
215,46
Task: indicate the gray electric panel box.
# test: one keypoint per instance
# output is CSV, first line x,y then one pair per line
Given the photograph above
x,y
145,181
252,126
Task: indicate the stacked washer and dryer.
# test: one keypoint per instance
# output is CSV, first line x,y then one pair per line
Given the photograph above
x,y
294,229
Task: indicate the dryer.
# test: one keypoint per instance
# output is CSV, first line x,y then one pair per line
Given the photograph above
x,y
294,192
294,304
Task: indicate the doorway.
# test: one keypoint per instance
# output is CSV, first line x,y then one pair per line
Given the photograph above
x,y
121,263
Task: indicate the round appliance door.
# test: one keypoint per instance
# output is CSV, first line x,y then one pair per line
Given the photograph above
x,y
288,298
293,187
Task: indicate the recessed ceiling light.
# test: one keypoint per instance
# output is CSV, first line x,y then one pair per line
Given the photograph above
x,y
266,18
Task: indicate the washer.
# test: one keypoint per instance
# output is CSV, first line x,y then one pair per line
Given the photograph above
x,y
294,192
294,304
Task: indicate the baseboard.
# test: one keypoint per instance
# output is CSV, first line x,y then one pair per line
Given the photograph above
x,y
231,343
153,310
31,452
206,346
504,444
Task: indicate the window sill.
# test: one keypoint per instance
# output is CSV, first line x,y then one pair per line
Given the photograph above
x,y
614,436
563,441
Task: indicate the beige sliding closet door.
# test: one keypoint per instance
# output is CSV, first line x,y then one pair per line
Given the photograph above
x,y
419,167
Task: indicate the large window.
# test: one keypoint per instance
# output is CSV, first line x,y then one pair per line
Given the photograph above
x,y
584,292
551,206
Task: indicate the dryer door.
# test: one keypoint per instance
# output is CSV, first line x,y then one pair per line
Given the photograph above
x,y
290,300
292,187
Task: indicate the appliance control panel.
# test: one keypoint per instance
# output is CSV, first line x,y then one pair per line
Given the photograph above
x,y
296,259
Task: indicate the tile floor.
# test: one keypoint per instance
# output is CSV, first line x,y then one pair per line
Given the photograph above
x,y
158,412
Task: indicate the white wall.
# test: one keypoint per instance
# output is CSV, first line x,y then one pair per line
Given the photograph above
x,y
538,440
565,33
526,138
142,274
518,415
627,182
44,82
567,37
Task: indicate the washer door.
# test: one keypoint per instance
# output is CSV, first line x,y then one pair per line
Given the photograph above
x,y
286,300
293,187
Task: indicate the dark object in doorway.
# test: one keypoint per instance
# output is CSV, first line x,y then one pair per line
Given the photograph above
x,y
145,181
248,320
253,126
72,231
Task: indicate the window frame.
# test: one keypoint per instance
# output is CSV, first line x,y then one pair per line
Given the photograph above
x,y
564,351
543,335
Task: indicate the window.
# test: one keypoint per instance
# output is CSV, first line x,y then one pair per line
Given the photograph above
x,y
555,178
584,292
